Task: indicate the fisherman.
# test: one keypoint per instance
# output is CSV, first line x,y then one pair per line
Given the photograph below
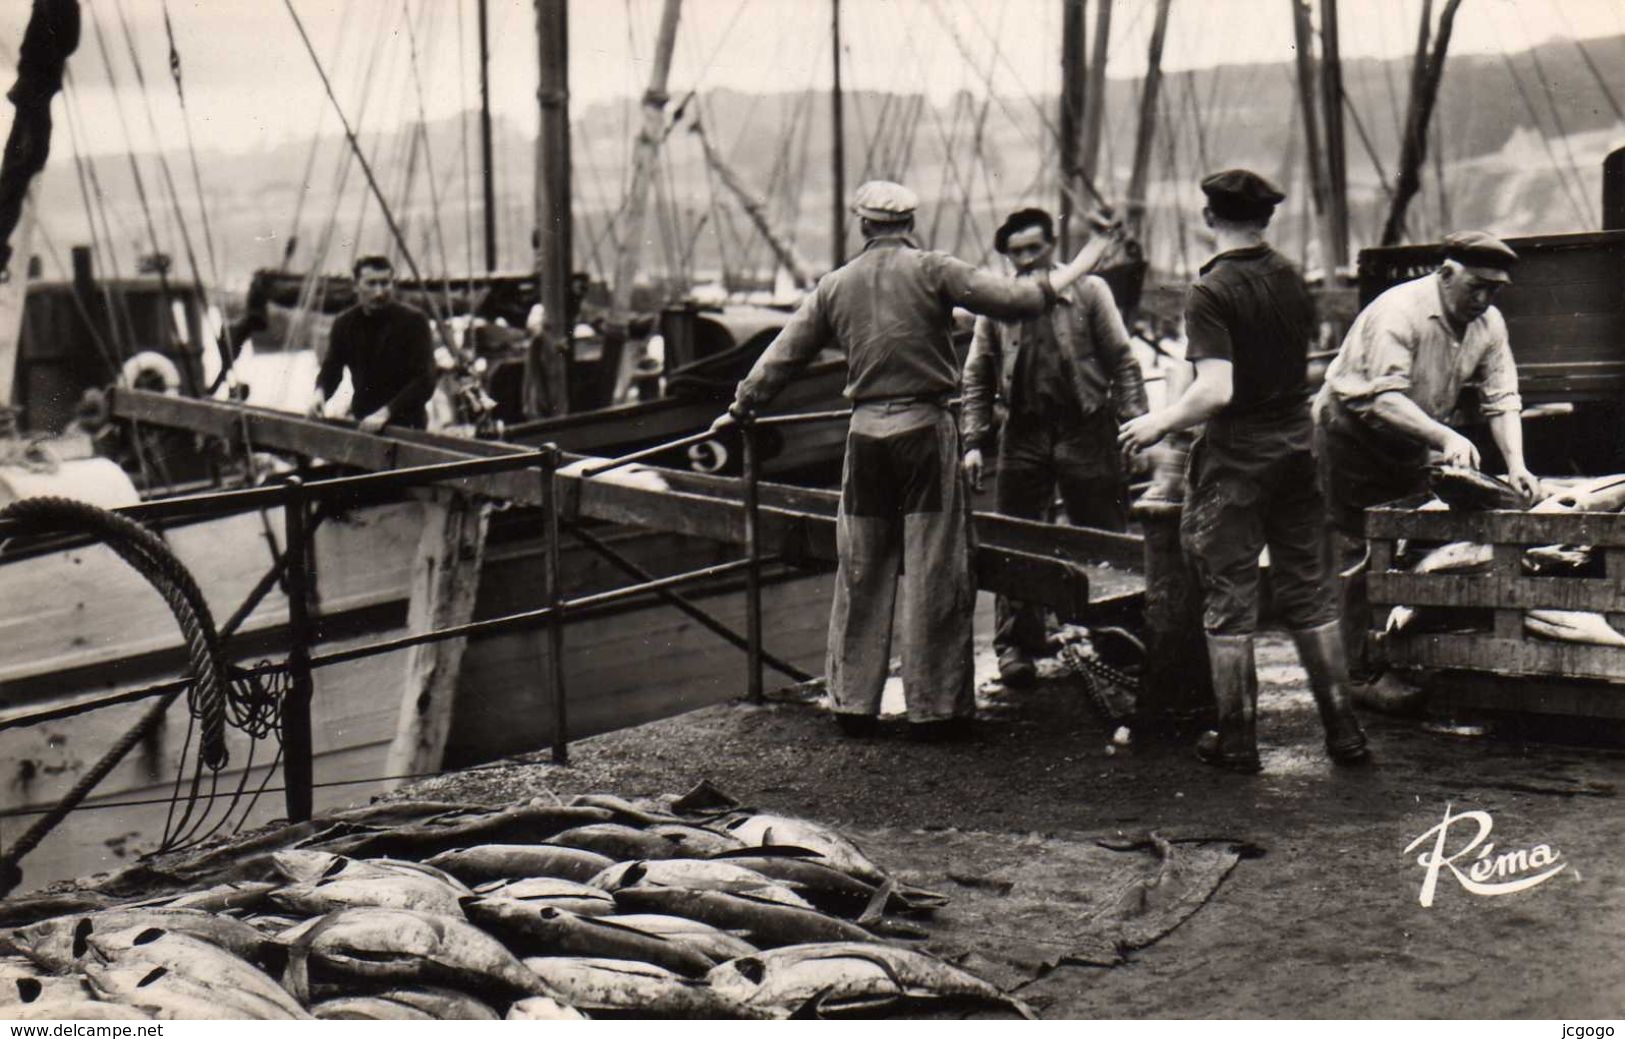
x,y
1249,322
903,500
1065,379
387,347
1382,414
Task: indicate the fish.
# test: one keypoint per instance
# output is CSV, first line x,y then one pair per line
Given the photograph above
x,y
15,912
1557,559
196,959
545,930
22,983
542,1008
578,898
1572,626
1603,494
624,811
603,986
1471,490
696,840
406,1004
837,851
1399,618
241,895
508,861
1458,557
303,866
405,947
849,976
698,875
830,890
60,943
526,824
82,1009
164,993
387,890
765,924
619,842
397,813
719,945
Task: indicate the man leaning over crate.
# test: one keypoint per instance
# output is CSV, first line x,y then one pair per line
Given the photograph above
x,y
1249,322
1381,416
1065,378
903,503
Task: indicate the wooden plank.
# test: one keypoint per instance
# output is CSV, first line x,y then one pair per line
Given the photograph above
x,y
445,583
1528,656
1530,695
1572,528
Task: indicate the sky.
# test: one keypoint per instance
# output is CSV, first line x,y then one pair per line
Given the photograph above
x,y
250,83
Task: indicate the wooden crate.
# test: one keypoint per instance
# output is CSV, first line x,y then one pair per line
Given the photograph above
x,y
1506,649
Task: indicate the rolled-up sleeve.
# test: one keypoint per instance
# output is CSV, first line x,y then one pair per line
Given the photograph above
x,y
1497,374
993,295
1379,360
791,350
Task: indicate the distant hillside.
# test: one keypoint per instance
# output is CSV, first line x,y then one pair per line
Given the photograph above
x,y
1516,161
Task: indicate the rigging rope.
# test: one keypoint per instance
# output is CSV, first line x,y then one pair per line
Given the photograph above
x,y
191,147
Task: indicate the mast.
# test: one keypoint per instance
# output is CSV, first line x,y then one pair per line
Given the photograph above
x,y
547,361
1095,94
644,154
1073,99
837,112
1314,163
488,164
1148,120
783,251
1331,97
1429,69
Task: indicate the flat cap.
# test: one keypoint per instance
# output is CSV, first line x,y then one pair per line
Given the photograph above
x,y
885,201
1241,195
1482,250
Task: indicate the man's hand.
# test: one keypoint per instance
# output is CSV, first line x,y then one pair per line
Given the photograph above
x,y
1525,481
376,421
1140,433
723,421
972,464
318,406
1139,463
1459,451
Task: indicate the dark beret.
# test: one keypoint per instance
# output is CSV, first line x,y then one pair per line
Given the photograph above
x,y
1479,249
1241,195
1020,220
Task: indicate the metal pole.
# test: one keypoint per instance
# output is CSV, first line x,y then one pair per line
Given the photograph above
x,y
296,742
1072,108
548,360
837,107
485,141
753,552
554,595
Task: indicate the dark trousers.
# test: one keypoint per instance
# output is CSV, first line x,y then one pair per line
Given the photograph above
x,y
1253,483
1036,459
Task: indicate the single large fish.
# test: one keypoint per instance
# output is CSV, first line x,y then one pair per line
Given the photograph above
x,y
526,824
15,912
542,1008
848,976
409,1004
1458,557
303,866
765,924
1572,626
1603,494
603,986
827,888
698,875
60,943
22,983
387,890
196,959
1545,560
619,842
837,851
544,930
1470,489
624,811
709,941
246,895
581,899
696,840
82,1009
170,995
510,861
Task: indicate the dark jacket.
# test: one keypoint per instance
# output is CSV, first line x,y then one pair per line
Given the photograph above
x,y
1090,333
390,355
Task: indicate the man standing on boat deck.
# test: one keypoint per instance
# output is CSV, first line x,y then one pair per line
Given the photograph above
x,y
1065,378
903,503
1249,322
1381,415
388,349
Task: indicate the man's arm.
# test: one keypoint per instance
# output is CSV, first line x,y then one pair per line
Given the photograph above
x,y
1399,413
791,350
1012,299
1116,354
1209,392
980,387
1498,391
331,372
417,356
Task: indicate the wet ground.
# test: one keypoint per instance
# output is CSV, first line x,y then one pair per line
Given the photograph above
x,y
1322,920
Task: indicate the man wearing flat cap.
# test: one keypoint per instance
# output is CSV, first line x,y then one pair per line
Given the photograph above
x,y
1065,379
903,502
1382,414
1249,322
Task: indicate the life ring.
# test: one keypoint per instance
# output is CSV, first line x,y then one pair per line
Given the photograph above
x,y
151,370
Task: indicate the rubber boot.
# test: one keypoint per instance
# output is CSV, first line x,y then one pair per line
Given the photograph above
x,y
1325,658
1235,694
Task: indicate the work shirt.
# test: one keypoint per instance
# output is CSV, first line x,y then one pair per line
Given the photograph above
x,y
1403,343
1040,391
391,361
1252,308
891,310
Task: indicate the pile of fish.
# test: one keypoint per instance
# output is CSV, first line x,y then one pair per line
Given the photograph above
x,y
1467,490
436,911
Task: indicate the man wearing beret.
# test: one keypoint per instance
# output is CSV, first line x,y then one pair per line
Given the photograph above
x,y
1249,322
1382,414
1065,379
903,504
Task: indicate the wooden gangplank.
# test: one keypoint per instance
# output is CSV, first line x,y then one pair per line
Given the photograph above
x,y
1039,562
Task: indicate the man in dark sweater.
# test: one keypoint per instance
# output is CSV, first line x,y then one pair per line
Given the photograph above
x,y
387,347
1252,473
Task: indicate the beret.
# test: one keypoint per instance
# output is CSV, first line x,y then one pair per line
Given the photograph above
x,y
1241,194
1479,249
885,201
1021,220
